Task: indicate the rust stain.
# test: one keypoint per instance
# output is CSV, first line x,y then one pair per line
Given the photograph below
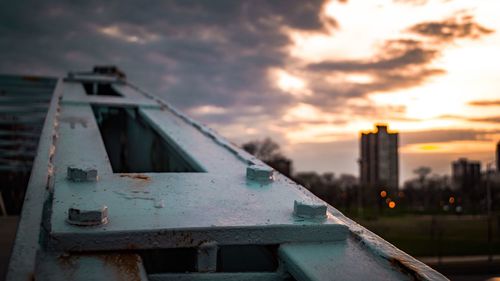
x,y
69,263
126,266
136,176
67,260
141,183
132,246
185,239
405,268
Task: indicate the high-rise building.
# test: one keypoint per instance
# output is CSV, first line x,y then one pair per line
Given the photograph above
x,y
379,163
466,174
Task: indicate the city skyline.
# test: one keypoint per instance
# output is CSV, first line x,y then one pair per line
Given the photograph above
x,y
310,75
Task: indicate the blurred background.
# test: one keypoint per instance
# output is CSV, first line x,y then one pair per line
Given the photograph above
x,y
389,110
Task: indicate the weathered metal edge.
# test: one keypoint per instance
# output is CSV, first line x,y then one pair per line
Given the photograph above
x,y
386,250
193,237
27,241
117,102
380,247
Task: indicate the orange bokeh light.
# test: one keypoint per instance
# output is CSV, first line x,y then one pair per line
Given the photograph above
x,y
383,193
451,200
392,204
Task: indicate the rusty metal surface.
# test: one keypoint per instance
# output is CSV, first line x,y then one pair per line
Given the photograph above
x,y
91,266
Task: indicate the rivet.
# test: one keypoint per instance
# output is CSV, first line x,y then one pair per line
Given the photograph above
x,y
88,217
260,173
308,209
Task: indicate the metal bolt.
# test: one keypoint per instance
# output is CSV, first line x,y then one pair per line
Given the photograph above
x,y
89,217
260,173
82,174
310,210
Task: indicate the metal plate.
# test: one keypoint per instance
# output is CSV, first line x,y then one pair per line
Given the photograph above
x,y
169,210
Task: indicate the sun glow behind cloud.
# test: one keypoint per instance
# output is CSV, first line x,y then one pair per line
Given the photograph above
x,y
289,83
470,71
448,147
418,68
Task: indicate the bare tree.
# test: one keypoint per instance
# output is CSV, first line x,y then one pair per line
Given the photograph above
x,y
422,173
269,151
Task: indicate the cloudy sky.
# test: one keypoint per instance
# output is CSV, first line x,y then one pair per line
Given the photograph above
x,y
309,74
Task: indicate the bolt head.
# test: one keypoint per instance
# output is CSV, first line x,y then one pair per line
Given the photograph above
x,y
260,173
309,210
88,217
81,174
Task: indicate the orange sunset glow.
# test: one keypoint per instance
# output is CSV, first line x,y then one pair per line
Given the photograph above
x,y
424,67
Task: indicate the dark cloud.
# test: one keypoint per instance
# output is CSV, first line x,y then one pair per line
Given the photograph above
x,y
191,52
395,54
485,103
399,64
218,53
459,26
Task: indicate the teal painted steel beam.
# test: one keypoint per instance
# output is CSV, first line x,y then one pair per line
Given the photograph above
x,y
27,241
336,261
228,199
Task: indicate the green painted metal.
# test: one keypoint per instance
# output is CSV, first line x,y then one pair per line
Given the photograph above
x,y
229,207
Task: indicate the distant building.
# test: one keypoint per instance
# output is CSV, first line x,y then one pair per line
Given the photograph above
x,y
465,174
379,163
